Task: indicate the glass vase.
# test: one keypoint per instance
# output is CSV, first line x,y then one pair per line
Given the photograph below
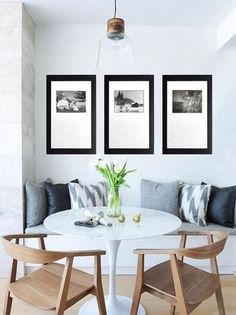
x,y
114,202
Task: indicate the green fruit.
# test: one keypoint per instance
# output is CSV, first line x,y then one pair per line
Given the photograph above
x,y
121,218
137,218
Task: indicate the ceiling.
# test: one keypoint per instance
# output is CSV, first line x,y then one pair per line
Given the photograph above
x,y
139,12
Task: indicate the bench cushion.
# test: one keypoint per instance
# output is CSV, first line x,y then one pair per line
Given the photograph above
x,y
185,226
210,227
38,229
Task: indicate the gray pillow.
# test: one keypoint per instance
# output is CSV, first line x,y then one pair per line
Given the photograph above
x,y
160,196
82,196
36,203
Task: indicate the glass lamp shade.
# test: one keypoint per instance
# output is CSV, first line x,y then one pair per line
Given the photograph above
x,y
115,51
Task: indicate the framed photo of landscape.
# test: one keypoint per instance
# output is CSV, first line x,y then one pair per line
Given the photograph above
x,y
129,114
71,114
187,114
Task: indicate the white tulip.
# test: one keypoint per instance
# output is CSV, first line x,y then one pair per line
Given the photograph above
x,y
117,168
116,164
102,164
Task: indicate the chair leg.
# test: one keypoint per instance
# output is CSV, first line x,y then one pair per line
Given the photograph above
x,y
172,310
138,285
220,301
8,304
101,301
136,300
183,311
12,278
98,289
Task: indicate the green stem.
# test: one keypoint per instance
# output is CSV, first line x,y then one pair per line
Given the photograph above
x,y
114,202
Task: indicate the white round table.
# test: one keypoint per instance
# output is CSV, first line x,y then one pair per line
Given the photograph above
x,y
152,223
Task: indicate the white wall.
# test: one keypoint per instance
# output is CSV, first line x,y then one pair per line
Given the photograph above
x,y
72,49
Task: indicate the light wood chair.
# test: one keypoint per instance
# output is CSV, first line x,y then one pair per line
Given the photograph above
x,y
54,286
179,283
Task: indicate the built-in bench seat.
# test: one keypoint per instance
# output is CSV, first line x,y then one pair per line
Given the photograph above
x,y
185,226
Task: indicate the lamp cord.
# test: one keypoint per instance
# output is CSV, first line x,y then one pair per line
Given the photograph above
x,y
115,9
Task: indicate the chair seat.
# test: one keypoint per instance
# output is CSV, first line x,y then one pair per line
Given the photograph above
x,y
41,287
198,284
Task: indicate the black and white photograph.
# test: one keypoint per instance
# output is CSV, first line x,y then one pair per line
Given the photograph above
x,y
187,114
187,101
71,101
129,114
71,114
129,101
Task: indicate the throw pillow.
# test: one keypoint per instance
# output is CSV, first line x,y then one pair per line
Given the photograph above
x,y
193,202
36,203
82,196
58,197
160,196
221,207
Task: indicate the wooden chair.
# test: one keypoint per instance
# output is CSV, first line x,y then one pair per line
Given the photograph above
x,y
53,286
179,283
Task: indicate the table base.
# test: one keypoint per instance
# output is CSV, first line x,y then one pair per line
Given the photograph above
x,y
121,306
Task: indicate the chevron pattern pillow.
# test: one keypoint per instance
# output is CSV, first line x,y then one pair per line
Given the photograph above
x,y
82,196
193,202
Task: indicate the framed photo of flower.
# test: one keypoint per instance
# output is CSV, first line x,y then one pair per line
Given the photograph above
x,y
71,114
129,114
187,114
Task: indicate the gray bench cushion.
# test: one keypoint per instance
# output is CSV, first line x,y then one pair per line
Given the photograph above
x,y
210,227
38,229
185,226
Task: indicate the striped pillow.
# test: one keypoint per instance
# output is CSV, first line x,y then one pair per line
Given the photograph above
x,y
82,196
193,202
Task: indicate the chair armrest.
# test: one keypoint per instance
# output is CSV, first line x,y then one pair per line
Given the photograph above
x,y
156,251
84,253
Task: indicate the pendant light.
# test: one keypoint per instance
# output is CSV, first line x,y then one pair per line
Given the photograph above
x,y
115,51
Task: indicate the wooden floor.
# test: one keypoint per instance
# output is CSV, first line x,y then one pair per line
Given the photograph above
x,y
152,305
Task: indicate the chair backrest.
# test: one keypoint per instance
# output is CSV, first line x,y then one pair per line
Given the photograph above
x,y
27,254
207,251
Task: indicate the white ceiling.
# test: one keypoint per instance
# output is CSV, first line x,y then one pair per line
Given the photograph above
x,y
139,12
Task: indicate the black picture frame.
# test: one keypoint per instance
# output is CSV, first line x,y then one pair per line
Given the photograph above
x,y
184,78
125,78
67,150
